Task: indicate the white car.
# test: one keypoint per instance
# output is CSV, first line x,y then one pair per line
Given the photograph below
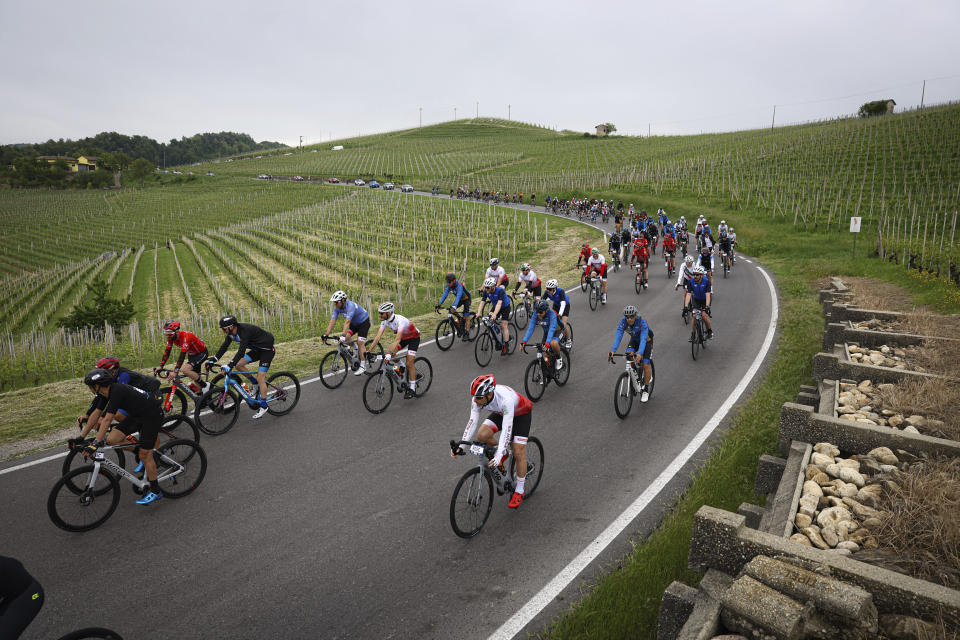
x,y
407,188
263,176
359,182
388,186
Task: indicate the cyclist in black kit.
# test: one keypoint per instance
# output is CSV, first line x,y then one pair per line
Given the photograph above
x,y
255,344
21,598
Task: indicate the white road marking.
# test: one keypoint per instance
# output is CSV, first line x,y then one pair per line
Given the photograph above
x,y
552,589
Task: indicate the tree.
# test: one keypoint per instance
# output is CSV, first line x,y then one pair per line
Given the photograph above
x,y
875,108
99,310
140,169
610,127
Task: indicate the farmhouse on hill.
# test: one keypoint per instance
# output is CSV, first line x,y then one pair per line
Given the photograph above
x,y
602,129
76,165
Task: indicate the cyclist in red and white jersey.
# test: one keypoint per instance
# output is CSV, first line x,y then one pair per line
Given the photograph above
x,y
498,273
599,264
408,336
510,413
529,278
192,349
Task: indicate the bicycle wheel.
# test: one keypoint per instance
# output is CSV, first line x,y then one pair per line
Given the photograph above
x,y
561,376
623,395
653,378
474,330
91,633
726,267
181,466
283,393
597,294
592,299
471,502
87,508
695,339
175,404
445,334
534,466
483,349
378,393
333,370
180,427
522,315
75,460
514,337
616,266
568,335
583,283
424,375
534,382
217,411
638,283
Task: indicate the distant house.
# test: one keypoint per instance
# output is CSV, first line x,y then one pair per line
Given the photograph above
x,y
338,147
76,165
602,130
890,104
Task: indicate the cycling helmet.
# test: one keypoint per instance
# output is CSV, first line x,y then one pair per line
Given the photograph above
x,y
338,296
660,210
705,250
494,261
490,282
98,376
541,306
227,321
170,327
730,229
688,259
595,251
629,311
552,284
451,277
386,307
585,246
698,270
109,363
682,218
723,222
483,385
524,267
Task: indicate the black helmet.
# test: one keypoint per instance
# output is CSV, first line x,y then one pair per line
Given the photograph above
x,y
98,376
541,306
451,277
227,321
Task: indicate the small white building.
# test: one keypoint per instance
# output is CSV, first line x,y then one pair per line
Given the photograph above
x,y
338,147
602,130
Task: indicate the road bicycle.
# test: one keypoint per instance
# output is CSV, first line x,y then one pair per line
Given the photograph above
x,y
452,327
669,263
698,337
521,308
624,391
378,389
87,496
174,397
491,339
173,428
616,259
639,282
595,297
583,277
725,258
542,370
220,406
335,365
473,496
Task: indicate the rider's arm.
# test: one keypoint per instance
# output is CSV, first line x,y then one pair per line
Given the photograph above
x,y
223,348
618,337
473,424
681,275
530,327
376,340
166,353
461,291
180,359
552,329
644,335
244,341
446,292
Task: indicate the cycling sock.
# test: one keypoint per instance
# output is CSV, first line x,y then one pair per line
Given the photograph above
x,y
520,483
154,486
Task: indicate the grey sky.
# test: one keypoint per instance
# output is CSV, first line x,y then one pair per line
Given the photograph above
x,y
278,69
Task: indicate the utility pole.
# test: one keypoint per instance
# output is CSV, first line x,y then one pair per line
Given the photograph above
x,y
421,117
772,122
508,112
301,144
454,113
648,129
478,109
923,93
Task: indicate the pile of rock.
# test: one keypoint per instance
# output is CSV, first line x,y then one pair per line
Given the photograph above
x,y
883,356
873,324
840,498
862,403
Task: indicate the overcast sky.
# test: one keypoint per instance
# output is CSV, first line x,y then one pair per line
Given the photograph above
x,y
278,69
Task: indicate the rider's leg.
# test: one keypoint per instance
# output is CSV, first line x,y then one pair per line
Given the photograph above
x,y
485,435
520,455
262,384
555,346
188,371
411,369
505,330
362,348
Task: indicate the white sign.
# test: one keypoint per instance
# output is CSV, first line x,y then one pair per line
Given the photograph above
x,y
855,225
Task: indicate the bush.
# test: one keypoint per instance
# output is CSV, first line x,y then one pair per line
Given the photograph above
x,y
99,311
875,108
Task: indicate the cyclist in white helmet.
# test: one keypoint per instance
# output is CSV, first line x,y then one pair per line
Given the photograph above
x,y
684,279
500,309
408,336
498,273
356,323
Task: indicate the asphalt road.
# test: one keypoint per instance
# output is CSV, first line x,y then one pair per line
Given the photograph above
x,y
333,523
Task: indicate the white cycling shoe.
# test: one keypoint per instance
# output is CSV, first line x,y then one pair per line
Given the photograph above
x,y
262,411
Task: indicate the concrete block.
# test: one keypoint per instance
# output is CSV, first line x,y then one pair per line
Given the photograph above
x,y
829,390
809,388
809,399
769,472
795,417
675,608
753,608
704,620
752,513
782,507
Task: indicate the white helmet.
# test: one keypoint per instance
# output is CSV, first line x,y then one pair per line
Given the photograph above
x,y
688,259
682,218
698,270
494,261
386,307
552,284
338,296
490,282
660,210
723,222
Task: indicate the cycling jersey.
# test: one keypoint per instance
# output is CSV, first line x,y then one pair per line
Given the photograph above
x,y
496,274
705,261
509,404
548,322
640,332
722,229
685,274
499,295
354,313
530,279
669,244
724,244
188,343
130,401
584,254
641,253
248,336
733,238
127,377
598,263
699,291
561,301
402,326
461,294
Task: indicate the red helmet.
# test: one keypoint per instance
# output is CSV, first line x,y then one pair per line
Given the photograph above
x,y
170,327
483,385
109,363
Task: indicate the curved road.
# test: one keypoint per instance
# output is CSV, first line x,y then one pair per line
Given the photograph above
x,y
333,523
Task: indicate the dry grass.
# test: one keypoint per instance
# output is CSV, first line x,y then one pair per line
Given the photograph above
x,y
875,294
925,323
922,526
936,356
929,397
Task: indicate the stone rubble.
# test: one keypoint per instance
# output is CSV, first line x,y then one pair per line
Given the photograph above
x,y
884,356
862,403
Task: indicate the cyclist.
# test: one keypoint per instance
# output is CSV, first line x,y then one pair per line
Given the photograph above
x,y
682,223
652,233
724,246
510,413
528,277
705,260
500,308
700,296
189,344
356,322
662,216
142,413
599,264
122,375
547,319
669,249
561,305
462,298
408,336
497,272
641,343
683,239
722,228
584,253
614,246
21,598
255,344
618,218
685,278
733,245
641,257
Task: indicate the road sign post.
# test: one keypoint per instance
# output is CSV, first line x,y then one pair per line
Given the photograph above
x,y
855,229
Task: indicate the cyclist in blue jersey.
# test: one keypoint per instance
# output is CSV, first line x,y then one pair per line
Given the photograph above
x,y
561,305
547,319
662,216
500,308
461,298
700,297
641,343
356,323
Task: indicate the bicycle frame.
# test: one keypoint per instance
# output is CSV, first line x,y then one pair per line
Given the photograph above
x,y
176,383
141,483
503,480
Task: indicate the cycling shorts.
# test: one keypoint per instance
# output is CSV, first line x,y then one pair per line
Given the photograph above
x,y
647,349
600,271
148,427
361,329
504,314
537,290
20,609
566,312
697,303
521,425
196,360
265,356
411,345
